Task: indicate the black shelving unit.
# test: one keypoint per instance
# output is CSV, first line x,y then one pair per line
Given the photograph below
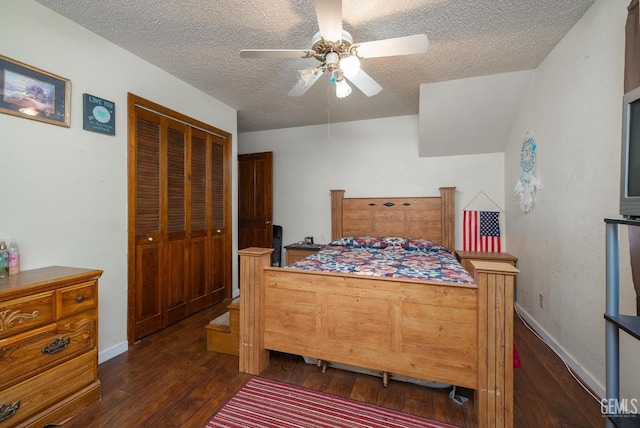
x,y
628,323
616,322
624,421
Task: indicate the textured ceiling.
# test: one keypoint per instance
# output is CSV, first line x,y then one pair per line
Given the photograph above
x,y
199,42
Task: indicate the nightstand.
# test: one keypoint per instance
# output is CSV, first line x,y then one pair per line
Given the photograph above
x,y
296,252
466,256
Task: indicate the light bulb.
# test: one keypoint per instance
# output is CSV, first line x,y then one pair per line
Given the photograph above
x,y
350,66
306,75
342,88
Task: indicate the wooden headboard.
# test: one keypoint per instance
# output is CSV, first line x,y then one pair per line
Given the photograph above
x,y
422,217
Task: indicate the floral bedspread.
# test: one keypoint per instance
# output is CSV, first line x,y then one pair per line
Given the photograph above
x,y
387,257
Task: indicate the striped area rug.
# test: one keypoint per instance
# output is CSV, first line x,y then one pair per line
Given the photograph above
x,y
268,404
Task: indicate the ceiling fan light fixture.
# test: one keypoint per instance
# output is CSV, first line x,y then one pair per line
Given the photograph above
x,y
350,66
342,88
306,75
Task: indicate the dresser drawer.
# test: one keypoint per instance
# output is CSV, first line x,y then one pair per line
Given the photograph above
x,y
78,298
293,255
25,313
43,390
26,354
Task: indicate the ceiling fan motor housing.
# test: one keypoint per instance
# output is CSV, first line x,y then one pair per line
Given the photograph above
x,y
342,48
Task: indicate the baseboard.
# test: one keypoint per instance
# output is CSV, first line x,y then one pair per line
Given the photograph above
x,y
114,351
579,371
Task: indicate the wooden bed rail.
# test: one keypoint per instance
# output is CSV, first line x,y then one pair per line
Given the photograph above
x,y
491,351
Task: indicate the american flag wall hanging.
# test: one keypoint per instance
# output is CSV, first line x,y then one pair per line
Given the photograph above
x,y
481,226
481,231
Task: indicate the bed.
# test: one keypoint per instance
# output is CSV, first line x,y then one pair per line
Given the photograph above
x,y
457,333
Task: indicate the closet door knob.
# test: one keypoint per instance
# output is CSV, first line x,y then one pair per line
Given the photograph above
x,y
150,238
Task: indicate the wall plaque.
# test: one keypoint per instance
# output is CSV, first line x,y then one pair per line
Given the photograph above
x,y
99,115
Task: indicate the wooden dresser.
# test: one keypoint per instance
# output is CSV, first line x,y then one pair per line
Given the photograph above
x,y
48,345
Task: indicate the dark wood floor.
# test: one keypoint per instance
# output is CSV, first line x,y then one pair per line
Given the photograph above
x,y
170,380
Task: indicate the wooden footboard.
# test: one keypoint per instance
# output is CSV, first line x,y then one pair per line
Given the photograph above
x,y
494,391
450,333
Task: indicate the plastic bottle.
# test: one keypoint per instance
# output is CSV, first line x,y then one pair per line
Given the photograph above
x,y
4,260
14,258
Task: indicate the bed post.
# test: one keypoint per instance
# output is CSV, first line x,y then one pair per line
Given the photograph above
x,y
494,394
336,214
448,217
253,357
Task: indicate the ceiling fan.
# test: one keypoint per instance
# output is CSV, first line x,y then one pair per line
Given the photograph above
x,y
338,55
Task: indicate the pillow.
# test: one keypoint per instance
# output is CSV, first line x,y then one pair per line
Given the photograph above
x,y
369,241
423,245
343,242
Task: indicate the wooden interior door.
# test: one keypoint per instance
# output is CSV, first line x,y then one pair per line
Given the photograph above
x,y
255,200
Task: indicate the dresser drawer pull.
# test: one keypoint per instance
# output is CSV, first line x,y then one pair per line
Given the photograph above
x,y
7,410
80,298
56,346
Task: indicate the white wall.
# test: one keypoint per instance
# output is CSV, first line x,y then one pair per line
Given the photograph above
x,y
366,158
64,190
472,115
573,110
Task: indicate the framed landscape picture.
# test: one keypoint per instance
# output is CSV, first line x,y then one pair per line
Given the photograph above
x,y
32,93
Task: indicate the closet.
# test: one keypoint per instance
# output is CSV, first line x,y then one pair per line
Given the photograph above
x,y
179,217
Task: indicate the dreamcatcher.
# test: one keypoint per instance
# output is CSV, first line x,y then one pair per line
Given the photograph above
x,y
528,185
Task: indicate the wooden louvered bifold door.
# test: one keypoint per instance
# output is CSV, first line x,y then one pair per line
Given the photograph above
x,y
200,276
208,256
181,211
148,235
220,231
175,246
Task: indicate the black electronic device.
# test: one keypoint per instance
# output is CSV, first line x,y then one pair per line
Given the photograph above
x,y
630,167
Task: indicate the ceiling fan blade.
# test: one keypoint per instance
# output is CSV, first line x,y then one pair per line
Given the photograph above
x,y
329,13
418,43
301,87
365,83
276,53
